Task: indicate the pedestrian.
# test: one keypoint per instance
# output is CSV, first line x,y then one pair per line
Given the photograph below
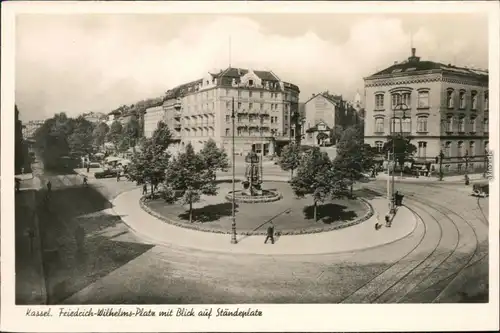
x,y
49,186
79,238
144,189
88,167
118,176
85,180
270,233
387,220
18,184
467,180
22,171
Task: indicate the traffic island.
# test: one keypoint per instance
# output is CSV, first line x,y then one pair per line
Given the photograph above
x,y
291,216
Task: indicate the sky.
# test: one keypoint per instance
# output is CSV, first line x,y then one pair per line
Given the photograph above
x,y
77,63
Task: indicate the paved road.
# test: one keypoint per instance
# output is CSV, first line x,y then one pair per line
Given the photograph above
x,y
444,260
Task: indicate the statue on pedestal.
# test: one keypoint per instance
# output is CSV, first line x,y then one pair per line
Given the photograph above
x,y
253,175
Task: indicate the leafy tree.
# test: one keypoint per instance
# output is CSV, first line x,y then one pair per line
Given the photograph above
x,y
214,158
162,136
403,148
51,139
80,140
188,175
132,131
336,133
115,133
99,134
290,158
317,177
353,156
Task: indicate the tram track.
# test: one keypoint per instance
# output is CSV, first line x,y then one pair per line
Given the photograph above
x,y
454,276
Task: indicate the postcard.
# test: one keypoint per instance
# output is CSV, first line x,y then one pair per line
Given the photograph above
x,y
249,166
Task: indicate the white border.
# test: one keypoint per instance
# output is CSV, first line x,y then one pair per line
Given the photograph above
x,y
275,317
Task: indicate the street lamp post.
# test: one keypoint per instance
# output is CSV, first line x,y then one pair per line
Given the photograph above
x,y
402,107
441,157
233,223
467,159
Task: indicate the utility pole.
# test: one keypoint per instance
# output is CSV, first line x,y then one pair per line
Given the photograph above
x,y
233,224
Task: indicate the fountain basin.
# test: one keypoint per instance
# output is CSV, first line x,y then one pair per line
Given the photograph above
x,y
266,196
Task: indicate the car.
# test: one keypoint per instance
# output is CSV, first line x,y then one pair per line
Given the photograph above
x,y
106,173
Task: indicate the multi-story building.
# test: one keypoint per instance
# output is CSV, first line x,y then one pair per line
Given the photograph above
x,y
263,107
29,128
445,109
112,116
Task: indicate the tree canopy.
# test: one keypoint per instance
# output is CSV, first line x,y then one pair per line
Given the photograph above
x,y
99,134
115,133
317,177
290,157
213,157
403,148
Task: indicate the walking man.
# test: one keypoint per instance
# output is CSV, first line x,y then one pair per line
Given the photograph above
x,y
144,189
49,186
118,175
85,181
270,233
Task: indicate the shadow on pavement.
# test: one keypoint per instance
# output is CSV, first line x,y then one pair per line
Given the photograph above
x,y
79,240
210,213
329,213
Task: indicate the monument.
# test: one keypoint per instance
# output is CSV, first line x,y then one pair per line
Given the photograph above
x,y
252,191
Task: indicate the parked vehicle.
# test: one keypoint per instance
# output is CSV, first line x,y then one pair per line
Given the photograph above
x,y
481,189
106,173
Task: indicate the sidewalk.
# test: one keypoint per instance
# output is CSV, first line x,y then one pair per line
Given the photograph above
x,y
360,236
433,179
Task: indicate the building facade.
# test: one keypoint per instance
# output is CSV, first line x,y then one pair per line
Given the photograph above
x,y
320,117
263,108
442,107
94,117
29,128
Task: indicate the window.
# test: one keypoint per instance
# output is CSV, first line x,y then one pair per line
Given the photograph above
x,y
486,100
472,148
228,105
449,124
406,125
379,145
422,149
474,100
473,125
239,93
250,105
460,148
261,94
239,105
261,106
447,149
459,167
423,99
379,102
250,83
272,120
227,118
449,99
461,124
406,99
422,124
250,93
379,125
462,99
486,125
227,92
486,144
396,100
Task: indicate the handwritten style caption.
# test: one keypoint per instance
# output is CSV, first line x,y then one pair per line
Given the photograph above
x,y
144,312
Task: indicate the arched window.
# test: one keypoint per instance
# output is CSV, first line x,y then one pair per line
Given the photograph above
x,y
461,124
379,101
460,148
422,149
423,99
474,100
447,149
462,99
422,124
486,125
472,148
473,124
379,125
450,94
449,124
486,100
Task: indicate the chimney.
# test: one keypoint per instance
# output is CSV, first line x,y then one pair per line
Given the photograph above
x,y
413,50
413,57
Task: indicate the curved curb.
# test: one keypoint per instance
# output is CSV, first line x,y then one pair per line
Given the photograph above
x,y
195,227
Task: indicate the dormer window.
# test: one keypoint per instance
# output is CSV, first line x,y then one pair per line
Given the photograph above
x,y
250,82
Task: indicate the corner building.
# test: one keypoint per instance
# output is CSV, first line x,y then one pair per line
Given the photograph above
x,y
447,109
202,109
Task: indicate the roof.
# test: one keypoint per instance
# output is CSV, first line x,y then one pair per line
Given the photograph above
x,y
414,64
239,72
334,99
315,127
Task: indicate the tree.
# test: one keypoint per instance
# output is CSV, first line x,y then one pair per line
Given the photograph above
x,y
51,139
80,140
336,133
403,148
132,131
290,158
188,176
151,163
353,156
214,158
317,177
115,133
99,134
